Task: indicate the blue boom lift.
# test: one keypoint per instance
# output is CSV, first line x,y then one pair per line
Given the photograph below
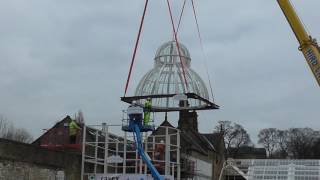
x,y
136,125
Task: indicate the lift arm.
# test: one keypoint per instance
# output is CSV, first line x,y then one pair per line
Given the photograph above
x,y
143,155
308,45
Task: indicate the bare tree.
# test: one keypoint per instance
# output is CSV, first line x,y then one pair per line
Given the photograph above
x,y
227,129
6,128
301,141
235,136
268,138
294,143
22,135
242,137
316,149
3,126
8,131
282,143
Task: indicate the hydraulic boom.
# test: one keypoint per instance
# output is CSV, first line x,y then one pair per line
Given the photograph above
x,y
308,45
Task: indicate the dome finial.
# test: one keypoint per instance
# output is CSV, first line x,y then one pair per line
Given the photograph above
x,y
168,53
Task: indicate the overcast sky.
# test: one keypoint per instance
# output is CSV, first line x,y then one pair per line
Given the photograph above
x,y
60,56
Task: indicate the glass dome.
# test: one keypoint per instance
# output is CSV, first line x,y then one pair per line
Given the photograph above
x,y
167,78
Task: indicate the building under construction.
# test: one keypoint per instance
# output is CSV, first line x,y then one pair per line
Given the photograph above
x,y
139,149
177,152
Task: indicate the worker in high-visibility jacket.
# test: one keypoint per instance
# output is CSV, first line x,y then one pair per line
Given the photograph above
x,y
73,131
147,110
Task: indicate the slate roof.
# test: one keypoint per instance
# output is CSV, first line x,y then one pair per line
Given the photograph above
x,y
166,124
192,140
64,120
215,139
195,141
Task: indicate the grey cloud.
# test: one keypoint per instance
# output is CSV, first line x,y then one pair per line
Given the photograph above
x,y
61,56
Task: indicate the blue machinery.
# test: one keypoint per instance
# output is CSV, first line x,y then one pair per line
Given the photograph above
x,y
136,126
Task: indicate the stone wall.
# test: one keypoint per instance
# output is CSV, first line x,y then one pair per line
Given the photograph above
x,y
28,162
10,170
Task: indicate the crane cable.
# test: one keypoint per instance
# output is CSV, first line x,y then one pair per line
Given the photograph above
x,y
178,46
181,13
202,47
136,46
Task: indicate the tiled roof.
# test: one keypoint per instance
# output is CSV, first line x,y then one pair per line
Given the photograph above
x,y
196,141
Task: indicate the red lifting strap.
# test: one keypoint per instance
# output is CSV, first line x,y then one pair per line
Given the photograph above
x,y
136,47
179,50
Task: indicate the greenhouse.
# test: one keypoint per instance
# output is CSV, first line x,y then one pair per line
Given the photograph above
x,y
274,169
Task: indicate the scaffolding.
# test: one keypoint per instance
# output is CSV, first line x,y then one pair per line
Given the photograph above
x,y
108,151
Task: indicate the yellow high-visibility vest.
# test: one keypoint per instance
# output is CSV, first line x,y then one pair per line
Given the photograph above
x,y
73,127
148,105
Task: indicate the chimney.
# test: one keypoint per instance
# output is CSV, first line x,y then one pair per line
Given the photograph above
x,y
188,121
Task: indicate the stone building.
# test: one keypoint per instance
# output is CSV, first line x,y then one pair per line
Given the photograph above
x,y
205,150
202,154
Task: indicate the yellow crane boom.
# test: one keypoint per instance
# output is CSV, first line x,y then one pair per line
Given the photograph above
x,y
308,45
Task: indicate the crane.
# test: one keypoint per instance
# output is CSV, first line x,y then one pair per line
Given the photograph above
x,y
308,45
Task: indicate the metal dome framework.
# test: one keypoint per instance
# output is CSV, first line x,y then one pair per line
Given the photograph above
x,y
165,81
